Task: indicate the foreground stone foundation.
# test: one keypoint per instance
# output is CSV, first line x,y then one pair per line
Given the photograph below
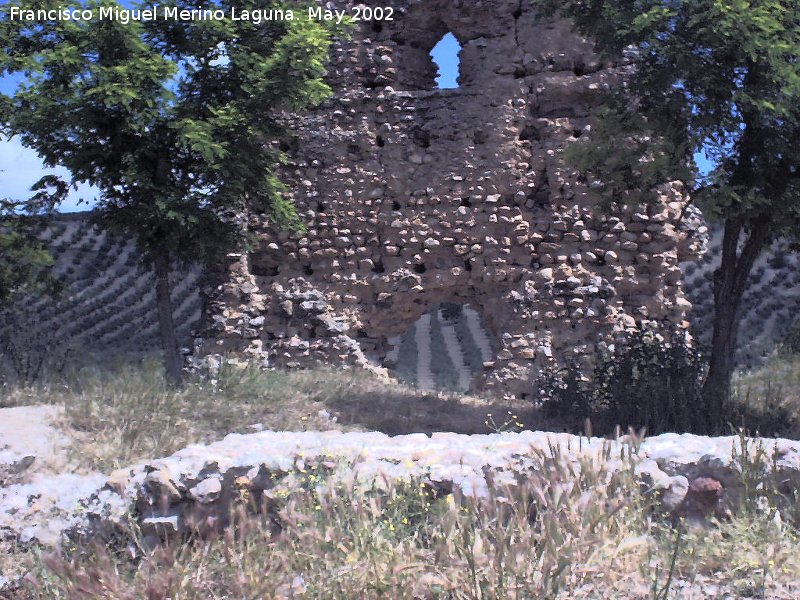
x,y
689,475
414,196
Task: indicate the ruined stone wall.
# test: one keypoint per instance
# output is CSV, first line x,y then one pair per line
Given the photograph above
x,y
413,196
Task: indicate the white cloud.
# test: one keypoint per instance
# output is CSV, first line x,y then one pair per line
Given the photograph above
x,y
21,167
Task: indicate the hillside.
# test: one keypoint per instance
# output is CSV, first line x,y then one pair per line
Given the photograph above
x,y
769,307
107,305
108,308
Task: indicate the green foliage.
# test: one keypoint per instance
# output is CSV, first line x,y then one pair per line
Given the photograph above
x,y
622,159
23,258
25,276
173,121
176,122
722,77
644,382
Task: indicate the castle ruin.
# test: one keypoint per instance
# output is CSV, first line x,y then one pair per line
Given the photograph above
x,y
413,196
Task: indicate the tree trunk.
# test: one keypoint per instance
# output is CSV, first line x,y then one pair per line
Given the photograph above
x,y
169,341
730,283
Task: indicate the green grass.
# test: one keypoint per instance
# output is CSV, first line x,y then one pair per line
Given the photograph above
x,y
767,400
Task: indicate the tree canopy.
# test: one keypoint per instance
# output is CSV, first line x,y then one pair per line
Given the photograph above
x,y
722,77
172,120
712,76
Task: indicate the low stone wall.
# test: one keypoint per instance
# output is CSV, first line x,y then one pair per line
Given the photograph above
x,y
690,475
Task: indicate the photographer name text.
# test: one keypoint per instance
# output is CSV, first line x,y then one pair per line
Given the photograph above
x,y
171,13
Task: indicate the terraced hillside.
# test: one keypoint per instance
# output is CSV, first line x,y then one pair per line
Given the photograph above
x,y
108,304
445,349
108,308
770,305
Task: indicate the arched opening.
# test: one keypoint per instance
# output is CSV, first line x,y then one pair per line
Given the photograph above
x,y
445,55
444,349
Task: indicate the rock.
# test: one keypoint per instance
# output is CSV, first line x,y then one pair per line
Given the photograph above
x,y
546,274
31,442
703,496
23,464
675,493
167,524
206,491
161,486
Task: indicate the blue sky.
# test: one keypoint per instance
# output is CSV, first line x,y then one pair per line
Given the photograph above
x,y
21,167
445,55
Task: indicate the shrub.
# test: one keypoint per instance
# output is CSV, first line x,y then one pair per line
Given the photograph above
x,y
646,381
30,348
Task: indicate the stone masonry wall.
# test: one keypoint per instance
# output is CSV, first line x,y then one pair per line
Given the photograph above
x,y
413,196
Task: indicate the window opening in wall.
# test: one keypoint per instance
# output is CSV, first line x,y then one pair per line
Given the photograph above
x,y
446,56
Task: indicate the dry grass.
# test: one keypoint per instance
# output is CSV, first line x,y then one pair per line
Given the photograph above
x,y
767,399
568,531
15,561
128,414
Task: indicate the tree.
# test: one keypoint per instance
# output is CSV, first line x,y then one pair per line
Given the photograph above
x,y
25,262
171,119
713,76
24,259
25,274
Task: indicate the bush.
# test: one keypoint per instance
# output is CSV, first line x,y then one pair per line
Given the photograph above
x,y
643,382
29,348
